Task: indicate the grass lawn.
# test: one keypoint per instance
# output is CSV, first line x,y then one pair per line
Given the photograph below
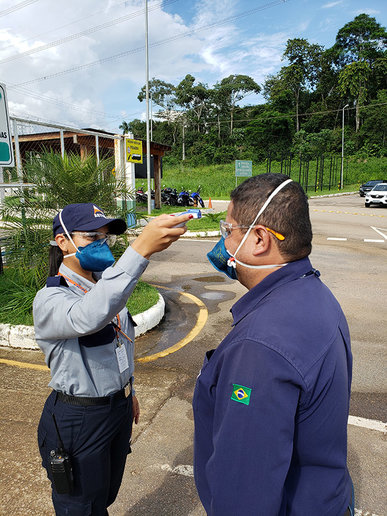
x,y
16,297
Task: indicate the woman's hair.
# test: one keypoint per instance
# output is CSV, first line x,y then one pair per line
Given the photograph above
x,y
55,258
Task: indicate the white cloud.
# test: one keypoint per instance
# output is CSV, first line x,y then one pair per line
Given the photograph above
x,y
367,11
331,4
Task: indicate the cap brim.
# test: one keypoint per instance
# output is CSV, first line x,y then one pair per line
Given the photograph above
x,y
116,226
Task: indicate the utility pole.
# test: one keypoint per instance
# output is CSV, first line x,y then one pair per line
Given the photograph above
x,y
148,160
342,150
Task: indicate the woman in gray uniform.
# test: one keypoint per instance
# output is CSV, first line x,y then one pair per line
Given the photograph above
x,y
86,333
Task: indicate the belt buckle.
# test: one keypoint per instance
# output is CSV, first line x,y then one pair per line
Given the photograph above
x,y
127,389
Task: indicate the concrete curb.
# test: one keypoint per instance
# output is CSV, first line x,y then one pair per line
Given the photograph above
x,y
23,337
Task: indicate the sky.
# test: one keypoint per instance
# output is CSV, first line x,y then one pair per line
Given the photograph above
x,y
81,63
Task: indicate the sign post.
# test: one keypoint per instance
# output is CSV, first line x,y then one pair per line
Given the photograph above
x,y
6,151
243,168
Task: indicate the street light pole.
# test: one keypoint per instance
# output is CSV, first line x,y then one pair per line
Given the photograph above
x,y
148,171
342,150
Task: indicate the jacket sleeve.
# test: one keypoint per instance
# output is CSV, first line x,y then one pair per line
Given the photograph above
x,y
252,438
59,314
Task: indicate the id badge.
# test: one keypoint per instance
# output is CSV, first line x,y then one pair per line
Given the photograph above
x,y
122,358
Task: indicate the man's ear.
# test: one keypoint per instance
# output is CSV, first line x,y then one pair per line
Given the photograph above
x,y
263,241
62,242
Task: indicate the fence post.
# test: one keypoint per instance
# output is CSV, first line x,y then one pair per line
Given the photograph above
x,y
300,170
17,152
307,175
2,193
62,145
97,148
316,175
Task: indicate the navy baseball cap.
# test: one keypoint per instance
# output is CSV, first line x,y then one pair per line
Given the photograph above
x,y
86,217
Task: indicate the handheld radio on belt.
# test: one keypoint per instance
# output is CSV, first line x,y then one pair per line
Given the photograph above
x,y
60,467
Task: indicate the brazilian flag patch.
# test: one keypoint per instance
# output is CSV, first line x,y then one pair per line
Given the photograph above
x,y
241,394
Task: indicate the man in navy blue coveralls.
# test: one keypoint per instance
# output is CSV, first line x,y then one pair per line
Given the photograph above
x,y
271,402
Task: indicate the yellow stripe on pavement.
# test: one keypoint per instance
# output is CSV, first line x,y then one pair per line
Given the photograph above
x,y
201,321
349,213
23,365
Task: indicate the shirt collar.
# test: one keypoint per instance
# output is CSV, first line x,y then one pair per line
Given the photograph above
x,y
80,280
291,271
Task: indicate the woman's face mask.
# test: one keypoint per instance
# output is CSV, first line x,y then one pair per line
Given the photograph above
x,y
95,257
225,262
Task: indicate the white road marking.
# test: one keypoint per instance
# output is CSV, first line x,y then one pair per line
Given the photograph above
x,y
335,238
187,471
371,424
373,240
378,230
182,469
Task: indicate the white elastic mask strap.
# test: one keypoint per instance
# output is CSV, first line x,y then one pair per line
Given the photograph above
x,y
68,236
265,205
271,266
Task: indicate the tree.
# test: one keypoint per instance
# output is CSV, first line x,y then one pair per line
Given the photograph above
x,y
161,92
302,72
362,39
192,98
125,126
234,88
353,80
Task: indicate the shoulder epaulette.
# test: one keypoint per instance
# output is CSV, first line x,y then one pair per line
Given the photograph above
x,y
56,281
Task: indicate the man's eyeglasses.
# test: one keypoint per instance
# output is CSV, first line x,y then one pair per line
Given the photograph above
x,y
227,227
97,235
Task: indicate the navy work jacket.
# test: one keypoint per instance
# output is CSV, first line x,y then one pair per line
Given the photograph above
x,y
271,403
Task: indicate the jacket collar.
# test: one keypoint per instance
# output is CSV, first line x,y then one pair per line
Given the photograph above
x,y
76,278
290,272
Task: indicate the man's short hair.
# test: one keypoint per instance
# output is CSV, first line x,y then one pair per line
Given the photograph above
x,y
287,213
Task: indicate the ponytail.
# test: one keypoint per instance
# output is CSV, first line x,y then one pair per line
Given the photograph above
x,y
55,258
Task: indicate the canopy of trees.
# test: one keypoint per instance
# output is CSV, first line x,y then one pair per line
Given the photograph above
x,y
303,109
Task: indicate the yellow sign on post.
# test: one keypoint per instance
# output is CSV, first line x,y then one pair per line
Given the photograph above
x,y
133,150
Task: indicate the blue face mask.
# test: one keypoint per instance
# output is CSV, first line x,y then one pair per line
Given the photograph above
x,y
219,257
95,256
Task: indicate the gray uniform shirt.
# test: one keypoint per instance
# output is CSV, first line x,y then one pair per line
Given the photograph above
x,y
62,315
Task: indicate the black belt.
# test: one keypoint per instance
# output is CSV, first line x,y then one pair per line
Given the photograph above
x,y
86,402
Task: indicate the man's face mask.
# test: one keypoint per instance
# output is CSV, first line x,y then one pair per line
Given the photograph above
x,y
95,256
225,262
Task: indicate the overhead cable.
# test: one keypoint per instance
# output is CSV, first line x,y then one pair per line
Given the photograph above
x,y
85,32
156,44
17,7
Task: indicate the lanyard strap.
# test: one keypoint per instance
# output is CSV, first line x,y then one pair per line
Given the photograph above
x,y
73,282
117,327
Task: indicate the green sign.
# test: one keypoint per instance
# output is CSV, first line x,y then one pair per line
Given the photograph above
x,y
6,153
243,168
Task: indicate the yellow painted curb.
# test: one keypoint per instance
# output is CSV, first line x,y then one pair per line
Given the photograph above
x,y
24,365
201,321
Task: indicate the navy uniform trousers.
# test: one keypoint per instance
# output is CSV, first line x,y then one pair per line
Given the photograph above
x,y
97,438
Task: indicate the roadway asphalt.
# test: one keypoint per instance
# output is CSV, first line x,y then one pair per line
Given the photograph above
x,y
158,477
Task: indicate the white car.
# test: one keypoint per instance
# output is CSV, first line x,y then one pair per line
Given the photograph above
x,y
378,195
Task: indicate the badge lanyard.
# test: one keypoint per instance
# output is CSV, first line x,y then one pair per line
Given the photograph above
x,y
122,357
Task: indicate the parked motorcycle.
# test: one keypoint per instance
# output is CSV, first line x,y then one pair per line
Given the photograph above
x,y
197,200
141,196
184,199
169,196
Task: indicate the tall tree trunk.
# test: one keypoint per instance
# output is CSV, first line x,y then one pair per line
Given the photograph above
x,y
231,120
357,115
